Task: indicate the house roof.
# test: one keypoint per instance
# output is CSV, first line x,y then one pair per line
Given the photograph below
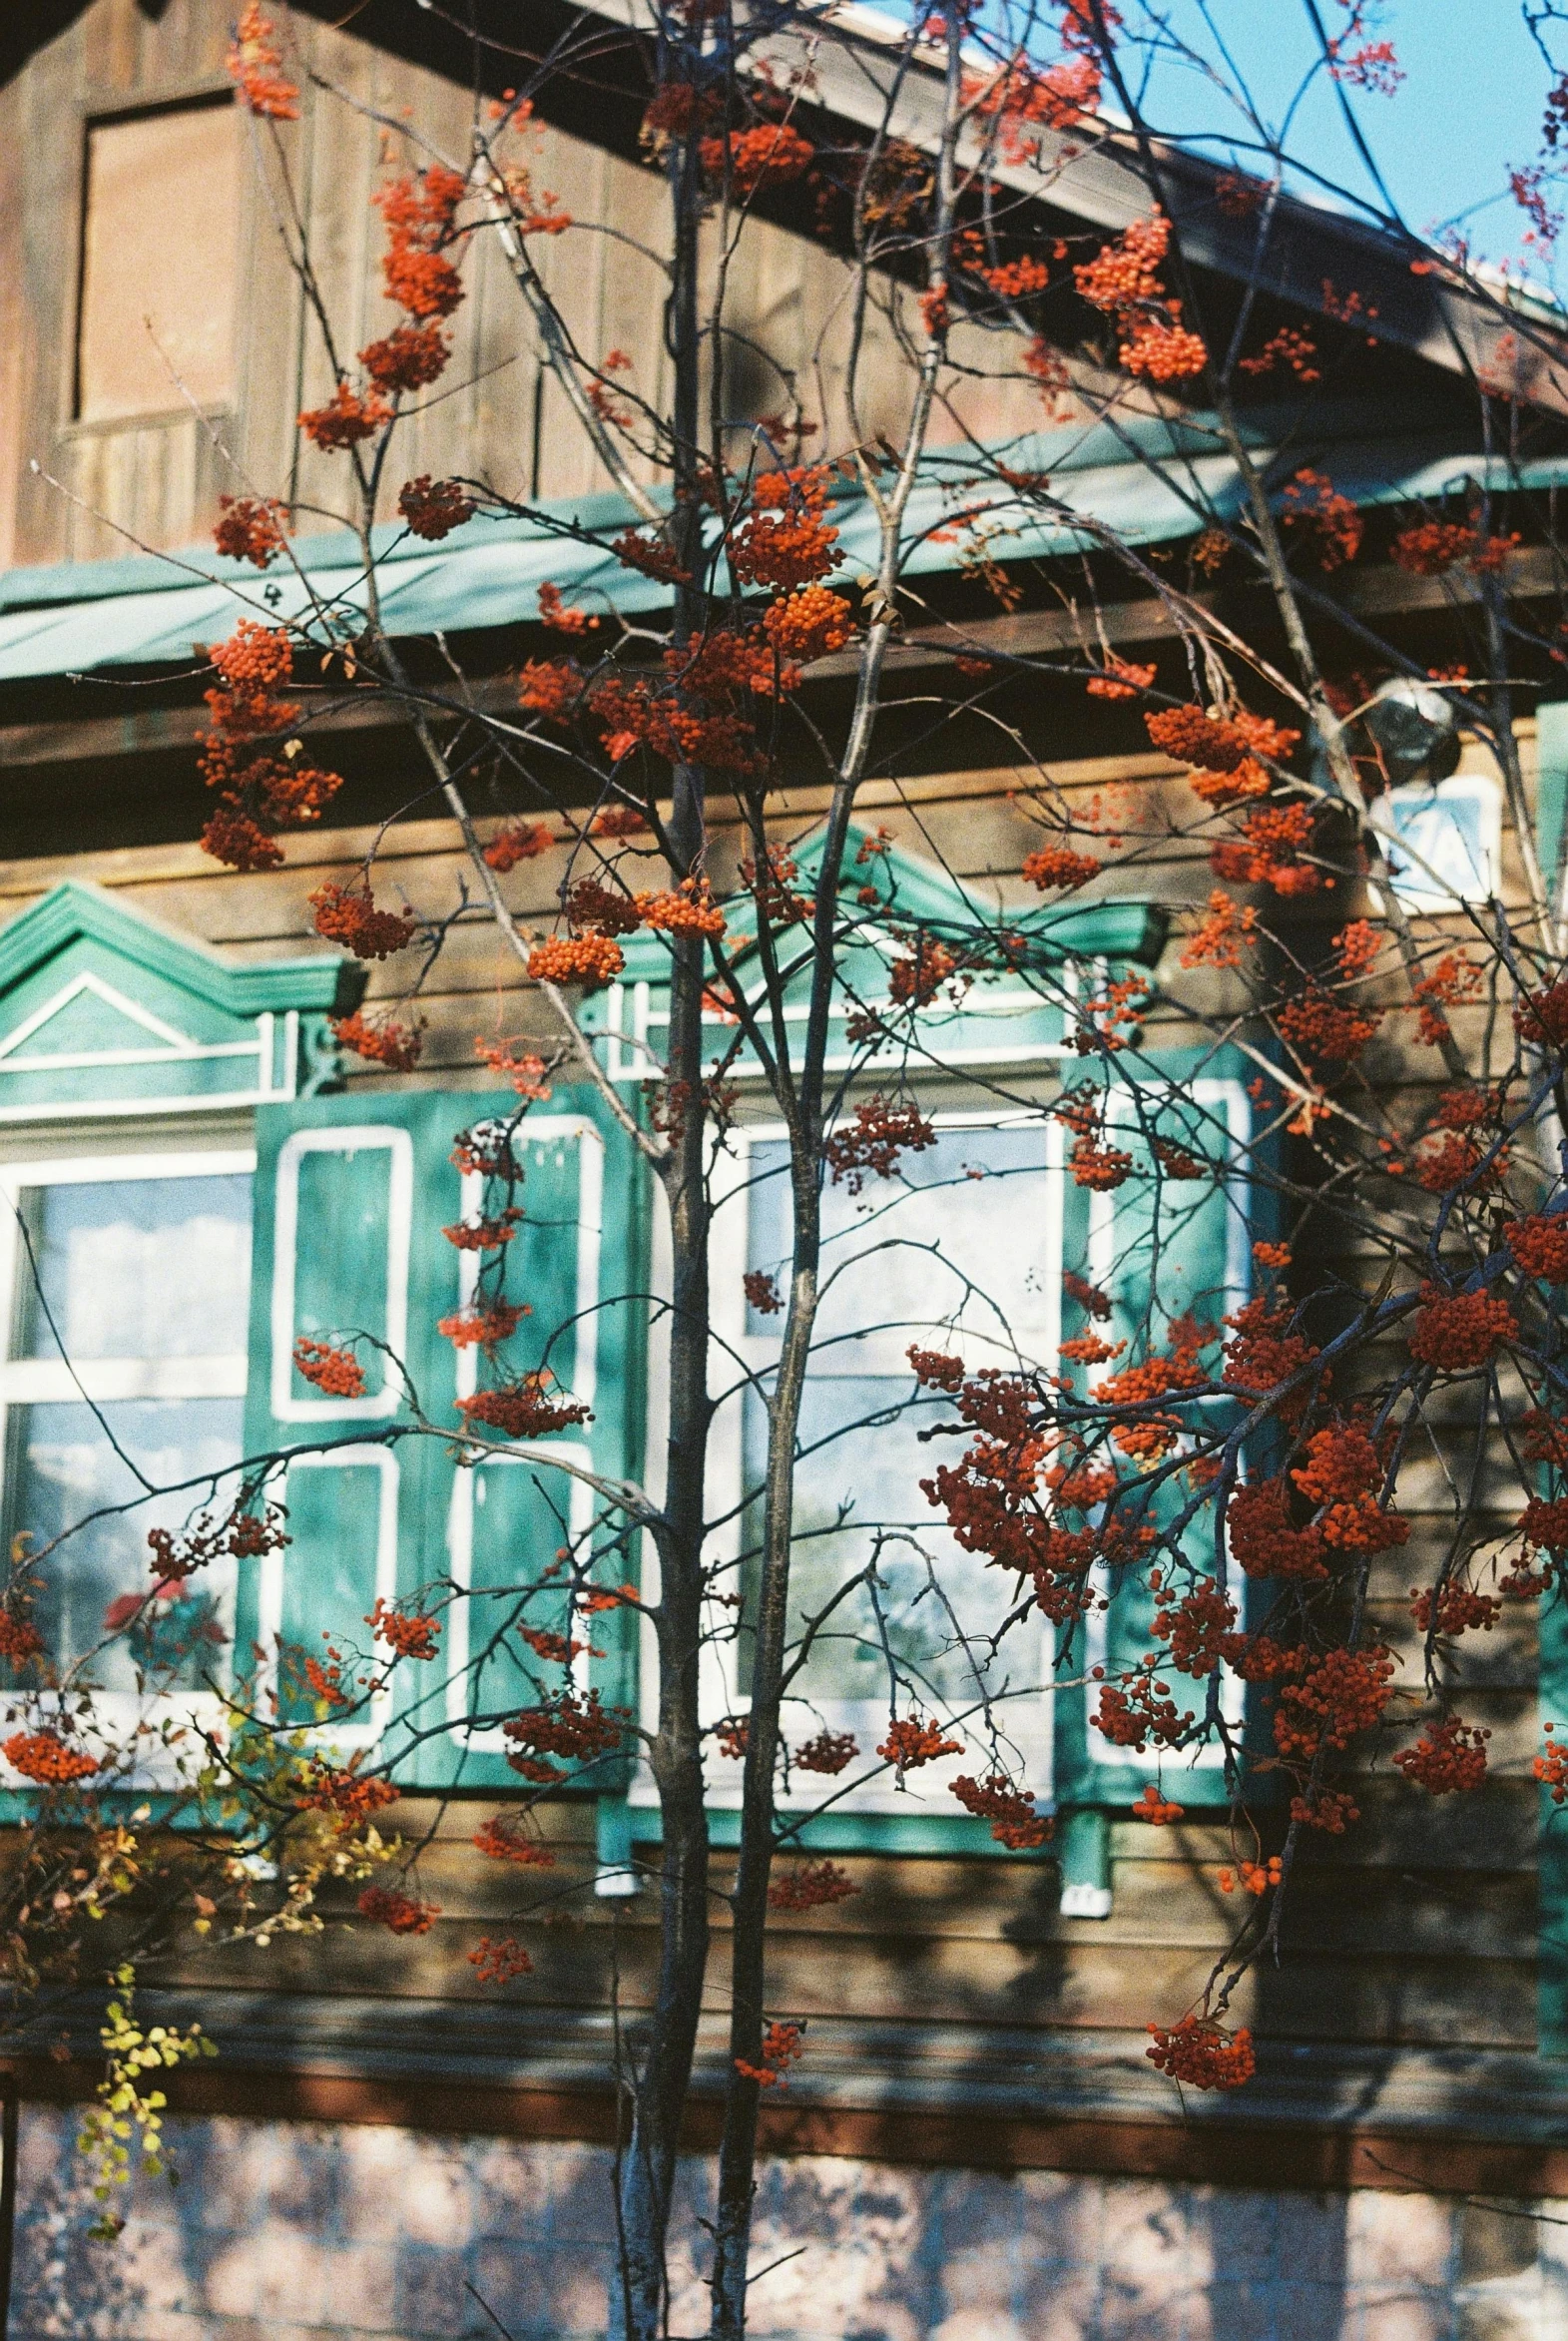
x,y
1140,480
859,69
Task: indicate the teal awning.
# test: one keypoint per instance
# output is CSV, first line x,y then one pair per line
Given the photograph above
x,y
1143,480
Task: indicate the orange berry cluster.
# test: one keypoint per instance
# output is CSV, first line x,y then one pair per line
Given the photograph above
x,y
1256,1878
344,1790
570,1726
550,687
831,1752
1449,1757
1058,865
1434,546
1329,521
879,1135
483,1327
1342,1694
520,840
1218,941
771,154
400,1913
1010,1811
43,1756
782,2047
501,1843
783,540
808,623
260,793
380,1041
250,528
914,1740
348,915
591,959
20,1639
499,1962
407,1636
433,508
813,1886
256,69
1540,1245
1457,1331
524,1410
335,1371
1121,680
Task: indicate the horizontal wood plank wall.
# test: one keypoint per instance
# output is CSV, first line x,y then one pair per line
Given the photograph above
x,y
1417,1929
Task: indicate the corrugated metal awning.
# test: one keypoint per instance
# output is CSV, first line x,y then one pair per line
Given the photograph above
x,y
1141,481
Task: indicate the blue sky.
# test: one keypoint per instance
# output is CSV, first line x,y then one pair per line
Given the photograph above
x,y
1470,105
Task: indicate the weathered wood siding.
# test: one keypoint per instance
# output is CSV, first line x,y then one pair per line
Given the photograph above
x,y
1417,1928
153,481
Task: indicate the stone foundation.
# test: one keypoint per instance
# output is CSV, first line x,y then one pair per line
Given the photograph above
x,y
299,2232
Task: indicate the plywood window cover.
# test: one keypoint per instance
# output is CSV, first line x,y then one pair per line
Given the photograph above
x,y
157,315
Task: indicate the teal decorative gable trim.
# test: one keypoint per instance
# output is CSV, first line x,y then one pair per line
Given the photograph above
x,y
104,1012
1007,1016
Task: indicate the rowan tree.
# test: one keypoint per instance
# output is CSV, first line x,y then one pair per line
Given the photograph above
x,y
1218,1467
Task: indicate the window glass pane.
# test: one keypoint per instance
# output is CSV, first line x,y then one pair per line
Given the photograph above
x,y
960,1253
60,1468
159,251
962,1238
858,1480
136,1268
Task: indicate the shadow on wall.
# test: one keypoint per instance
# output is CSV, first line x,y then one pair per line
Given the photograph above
x,y
304,2233
65,2287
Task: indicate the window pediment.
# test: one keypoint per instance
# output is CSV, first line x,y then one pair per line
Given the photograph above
x,y
103,1010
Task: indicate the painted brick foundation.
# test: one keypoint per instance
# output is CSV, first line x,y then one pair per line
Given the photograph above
x,y
305,2232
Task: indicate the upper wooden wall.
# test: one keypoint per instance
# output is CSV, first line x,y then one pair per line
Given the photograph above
x,y
152,480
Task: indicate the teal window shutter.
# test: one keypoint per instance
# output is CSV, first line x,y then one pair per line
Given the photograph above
x,y
1159,1249
352,1198
1552,1859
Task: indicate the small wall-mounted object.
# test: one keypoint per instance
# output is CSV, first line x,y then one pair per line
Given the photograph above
x,y
1444,840
1416,729
617,1872
1083,1839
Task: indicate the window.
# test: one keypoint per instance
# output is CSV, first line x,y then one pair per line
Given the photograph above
x,y
129,1286
1443,840
159,263
961,1253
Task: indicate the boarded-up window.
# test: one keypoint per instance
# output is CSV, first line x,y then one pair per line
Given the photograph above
x,y
159,263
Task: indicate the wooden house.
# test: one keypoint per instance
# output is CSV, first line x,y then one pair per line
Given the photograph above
x,y
975,2148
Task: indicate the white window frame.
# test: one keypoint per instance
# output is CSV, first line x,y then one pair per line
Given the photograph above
x,y
924,1795
52,1381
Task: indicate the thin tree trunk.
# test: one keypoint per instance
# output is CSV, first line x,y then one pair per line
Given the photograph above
x,y
737,2148
648,2176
